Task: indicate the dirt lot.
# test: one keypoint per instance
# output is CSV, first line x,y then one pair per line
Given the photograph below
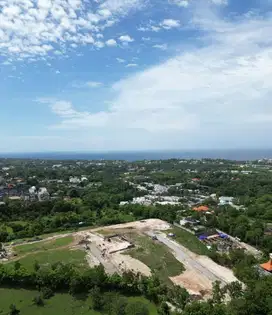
x,y
144,225
194,283
106,251
101,248
200,272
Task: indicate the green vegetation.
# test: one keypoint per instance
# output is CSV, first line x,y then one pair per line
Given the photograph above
x,y
59,304
76,257
189,240
43,245
96,202
157,257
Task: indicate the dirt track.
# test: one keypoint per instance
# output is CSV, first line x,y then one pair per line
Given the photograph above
x,y
200,272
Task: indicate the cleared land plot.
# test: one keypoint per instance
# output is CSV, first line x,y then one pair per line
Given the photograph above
x,y
43,246
60,304
156,256
201,271
76,257
189,240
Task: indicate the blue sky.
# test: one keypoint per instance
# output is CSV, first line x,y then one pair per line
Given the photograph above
x,y
94,75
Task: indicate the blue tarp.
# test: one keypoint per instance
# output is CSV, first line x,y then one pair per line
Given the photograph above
x,y
222,235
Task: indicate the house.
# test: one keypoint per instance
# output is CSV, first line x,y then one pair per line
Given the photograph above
x,y
15,198
194,180
43,194
225,201
188,221
201,208
74,180
267,266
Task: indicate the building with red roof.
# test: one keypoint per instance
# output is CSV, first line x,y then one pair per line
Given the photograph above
x,y
201,208
267,266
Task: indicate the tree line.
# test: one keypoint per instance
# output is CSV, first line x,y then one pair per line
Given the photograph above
x,y
107,291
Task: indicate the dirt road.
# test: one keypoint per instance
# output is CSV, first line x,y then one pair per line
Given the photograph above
x,y
200,264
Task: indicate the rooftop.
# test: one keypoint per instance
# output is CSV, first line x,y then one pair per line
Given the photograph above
x,y
201,208
267,266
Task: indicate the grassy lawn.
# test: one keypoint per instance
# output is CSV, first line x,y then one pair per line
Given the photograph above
x,y
157,257
43,246
60,304
76,257
189,240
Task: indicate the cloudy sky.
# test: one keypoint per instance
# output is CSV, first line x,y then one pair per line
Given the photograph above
x,y
95,75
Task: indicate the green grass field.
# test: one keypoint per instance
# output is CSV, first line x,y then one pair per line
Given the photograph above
x,y
189,240
157,257
43,246
76,257
60,304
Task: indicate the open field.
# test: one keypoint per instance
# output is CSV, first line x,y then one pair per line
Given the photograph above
x,y
156,256
59,304
189,240
43,246
48,252
76,257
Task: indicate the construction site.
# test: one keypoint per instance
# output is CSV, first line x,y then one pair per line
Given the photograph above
x,y
109,245
107,250
112,247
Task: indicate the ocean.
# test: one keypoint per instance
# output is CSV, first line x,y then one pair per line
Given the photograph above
x,y
232,154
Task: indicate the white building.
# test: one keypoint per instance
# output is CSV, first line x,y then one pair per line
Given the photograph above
x,y
225,201
74,180
43,194
32,190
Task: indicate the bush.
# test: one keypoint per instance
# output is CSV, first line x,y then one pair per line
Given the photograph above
x,y
47,293
38,300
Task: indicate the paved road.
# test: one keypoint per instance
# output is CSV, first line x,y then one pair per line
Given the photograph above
x,y
186,257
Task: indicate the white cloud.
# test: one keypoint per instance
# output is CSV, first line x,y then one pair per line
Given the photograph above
x,y
120,60
6,63
105,13
214,95
160,46
94,84
37,28
99,44
166,24
143,29
126,39
220,2
146,39
170,23
181,3
123,7
111,42
73,119
131,65
79,85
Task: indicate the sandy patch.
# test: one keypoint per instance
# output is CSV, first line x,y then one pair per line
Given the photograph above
x,y
224,273
194,283
127,263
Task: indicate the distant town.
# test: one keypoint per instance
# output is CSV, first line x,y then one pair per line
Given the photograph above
x,y
198,227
